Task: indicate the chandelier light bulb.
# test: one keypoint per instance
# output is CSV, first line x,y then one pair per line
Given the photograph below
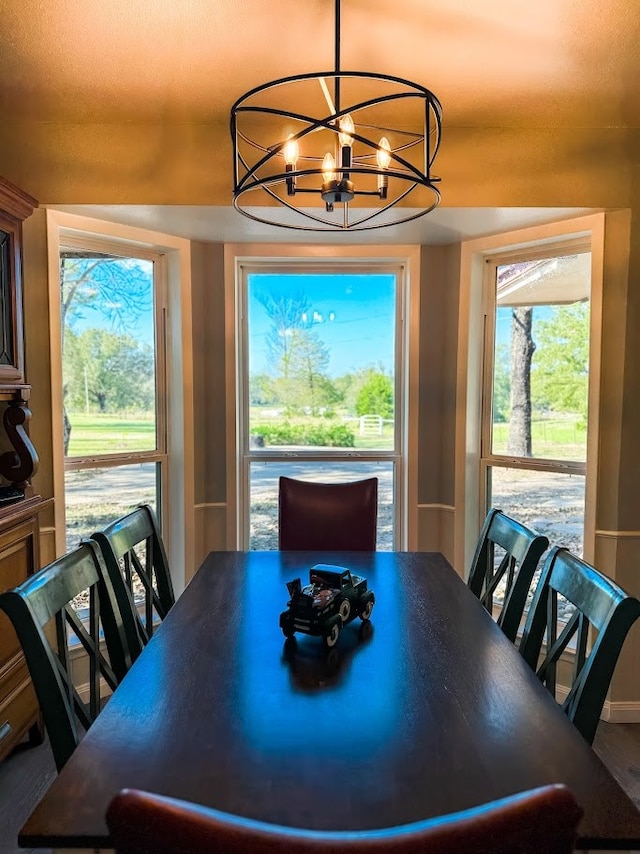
x,y
383,154
347,128
291,151
329,167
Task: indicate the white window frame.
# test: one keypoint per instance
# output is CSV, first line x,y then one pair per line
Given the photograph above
x,y
178,526
404,263
474,255
69,240
488,459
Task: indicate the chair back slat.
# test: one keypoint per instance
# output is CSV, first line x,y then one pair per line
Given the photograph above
x,y
523,549
50,594
603,614
122,542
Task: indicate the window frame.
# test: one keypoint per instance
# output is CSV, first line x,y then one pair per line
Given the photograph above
x,y
403,261
159,454
489,459
69,238
540,238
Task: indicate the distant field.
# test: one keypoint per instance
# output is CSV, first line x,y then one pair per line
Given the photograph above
x,y
102,434
564,439
107,434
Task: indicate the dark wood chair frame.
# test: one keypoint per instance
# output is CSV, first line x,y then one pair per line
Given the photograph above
x,y
541,821
600,605
327,516
118,542
48,595
523,550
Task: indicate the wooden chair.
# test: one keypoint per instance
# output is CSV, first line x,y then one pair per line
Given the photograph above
x,y
523,549
48,595
541,821
327,516
132,548
600,605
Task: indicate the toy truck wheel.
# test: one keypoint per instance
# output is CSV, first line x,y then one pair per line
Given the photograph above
x,y
344,610
366,611
334,633
288,633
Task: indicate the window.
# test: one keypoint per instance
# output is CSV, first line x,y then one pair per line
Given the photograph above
x,y
321,386
535,397
111,304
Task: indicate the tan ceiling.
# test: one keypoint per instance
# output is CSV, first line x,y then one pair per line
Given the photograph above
x,y
131,98
496,63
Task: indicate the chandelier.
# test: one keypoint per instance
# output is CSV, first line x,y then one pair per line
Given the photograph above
x,y
347,166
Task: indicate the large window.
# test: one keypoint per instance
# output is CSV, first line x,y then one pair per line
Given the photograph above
x,y
321,387
535,400
113,382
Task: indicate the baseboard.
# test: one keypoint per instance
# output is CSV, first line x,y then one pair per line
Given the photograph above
x,y
84,691
622,712
614,712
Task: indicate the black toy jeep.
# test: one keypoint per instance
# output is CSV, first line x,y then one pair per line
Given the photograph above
x,y
333,598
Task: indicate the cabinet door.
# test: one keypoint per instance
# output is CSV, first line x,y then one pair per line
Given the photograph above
x,y
18,705
11,346
18,558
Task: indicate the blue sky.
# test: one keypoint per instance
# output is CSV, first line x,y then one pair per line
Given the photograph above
x,y
101,310
354,314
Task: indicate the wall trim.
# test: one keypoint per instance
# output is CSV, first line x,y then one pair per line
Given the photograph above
x,y
621,712
448,507
613,711
84,693
618,535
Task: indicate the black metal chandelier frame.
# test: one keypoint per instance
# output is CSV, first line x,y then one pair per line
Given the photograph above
x,y
270,172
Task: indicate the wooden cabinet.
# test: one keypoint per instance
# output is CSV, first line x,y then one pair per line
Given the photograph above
x,y
19,507
19,557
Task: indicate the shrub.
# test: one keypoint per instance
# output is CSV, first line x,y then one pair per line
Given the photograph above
x,y
318,435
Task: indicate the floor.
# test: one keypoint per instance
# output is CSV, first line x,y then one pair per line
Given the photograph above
x,y
24,778
26,774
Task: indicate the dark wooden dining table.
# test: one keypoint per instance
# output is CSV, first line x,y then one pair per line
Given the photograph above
x,y
426,710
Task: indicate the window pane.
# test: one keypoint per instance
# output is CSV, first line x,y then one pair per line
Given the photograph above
x,y
549,502
321,352
541,357
95,497
108,353
263,489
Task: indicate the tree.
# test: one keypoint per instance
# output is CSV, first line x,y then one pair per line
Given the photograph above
x,y
501,384
286,313
303,384
297,353
376,396
120,288
522,348
261,390
102,368
561,361
349,385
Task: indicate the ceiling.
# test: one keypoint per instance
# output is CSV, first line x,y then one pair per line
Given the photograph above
x,y
500,64
225,225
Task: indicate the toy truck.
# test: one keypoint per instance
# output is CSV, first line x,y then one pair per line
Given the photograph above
x,y
333,598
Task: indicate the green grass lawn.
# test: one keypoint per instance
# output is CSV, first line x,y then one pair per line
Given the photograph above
x,y
97,433
116,433
561,438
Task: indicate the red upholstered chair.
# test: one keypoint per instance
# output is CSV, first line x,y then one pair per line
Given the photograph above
x,y
541,821
327,516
